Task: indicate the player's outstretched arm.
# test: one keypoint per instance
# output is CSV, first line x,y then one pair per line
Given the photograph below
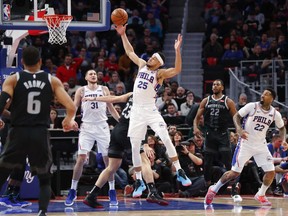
x,y
170,72
110,98
128,47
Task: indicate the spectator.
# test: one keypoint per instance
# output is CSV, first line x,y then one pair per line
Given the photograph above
x,y
172,115
232,56
212,51
92,41
186,106
115,79
242,101
162,102
124,67
180,96
72,86
69,68
49,67
111,64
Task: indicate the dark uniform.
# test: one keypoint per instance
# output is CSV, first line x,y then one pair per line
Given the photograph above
x,y
119,139
217,142
30,114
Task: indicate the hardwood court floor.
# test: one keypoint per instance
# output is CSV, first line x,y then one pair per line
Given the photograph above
x,y
222,206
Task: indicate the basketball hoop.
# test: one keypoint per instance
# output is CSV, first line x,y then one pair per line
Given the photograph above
x,y
57,26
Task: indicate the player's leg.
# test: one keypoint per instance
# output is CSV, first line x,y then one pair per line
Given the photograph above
x,y
265,161
241,155
91,198
86,142
159,127
153,196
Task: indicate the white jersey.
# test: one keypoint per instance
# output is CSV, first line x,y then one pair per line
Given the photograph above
x,y
93,111
257,121
145,87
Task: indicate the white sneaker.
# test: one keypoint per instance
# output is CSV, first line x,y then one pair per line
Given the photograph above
x,y
285,195
237,198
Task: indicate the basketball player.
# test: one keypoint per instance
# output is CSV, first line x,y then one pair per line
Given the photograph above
x,y
94,127
144,111
30,93
217,109
258,116
119,142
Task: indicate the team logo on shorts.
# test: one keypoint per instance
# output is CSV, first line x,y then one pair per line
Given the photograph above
x,y
162,125
269,158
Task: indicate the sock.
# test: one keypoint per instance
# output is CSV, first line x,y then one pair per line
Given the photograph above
x,y
74,184
217,186
151,187
262,190
94,192
112,185
138,175
177,164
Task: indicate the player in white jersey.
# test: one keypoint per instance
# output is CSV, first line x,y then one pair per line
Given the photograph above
x,y
94,127
258,117
144,111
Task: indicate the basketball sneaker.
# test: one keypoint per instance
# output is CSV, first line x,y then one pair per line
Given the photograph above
x,y
209,196
21,202
41,213
285,195
263,200
113,198
92,202
9,201
181,177
72,196
139,188
154,197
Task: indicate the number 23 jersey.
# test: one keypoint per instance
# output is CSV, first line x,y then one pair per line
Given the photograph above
x,y
257,121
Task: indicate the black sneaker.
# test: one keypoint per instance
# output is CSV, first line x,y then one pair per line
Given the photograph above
x,y
41,213
156,198
92,202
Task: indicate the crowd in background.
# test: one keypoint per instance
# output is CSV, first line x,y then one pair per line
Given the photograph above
x,y
235,30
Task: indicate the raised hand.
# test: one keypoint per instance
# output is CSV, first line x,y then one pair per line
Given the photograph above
x,y
178,42
121,29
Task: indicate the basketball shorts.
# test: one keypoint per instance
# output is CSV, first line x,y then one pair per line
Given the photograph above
x,y
141,117
89,133
245,151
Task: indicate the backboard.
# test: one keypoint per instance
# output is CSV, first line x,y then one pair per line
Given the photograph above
x,y
88,15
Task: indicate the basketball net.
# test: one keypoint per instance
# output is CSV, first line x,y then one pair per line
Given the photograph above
x,y
57,26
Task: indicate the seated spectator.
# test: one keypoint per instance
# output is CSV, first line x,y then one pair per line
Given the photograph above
x,y
101,78
72,86
163,101
232,56
115,79
273,32
101,67
124,67
242,101
55,121
50,67
264,43
271,56
212,51
180,96
172,116
120,89
111,64
185,107
192,163
92,41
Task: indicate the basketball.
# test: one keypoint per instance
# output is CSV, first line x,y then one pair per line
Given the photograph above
x,y
119,16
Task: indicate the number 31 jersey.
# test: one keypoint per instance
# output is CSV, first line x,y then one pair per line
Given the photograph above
x,y
257,121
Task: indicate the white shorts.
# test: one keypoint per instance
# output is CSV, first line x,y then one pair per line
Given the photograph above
x,y
89,133
141,117
245,151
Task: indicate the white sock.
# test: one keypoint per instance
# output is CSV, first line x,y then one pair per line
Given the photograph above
x,y
177,164
138,175
74,184
217,186
112,185
262,190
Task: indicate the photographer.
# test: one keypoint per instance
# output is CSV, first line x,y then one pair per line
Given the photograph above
x,y
192,164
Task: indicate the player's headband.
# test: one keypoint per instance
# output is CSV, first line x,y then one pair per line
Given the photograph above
x,y
158,58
